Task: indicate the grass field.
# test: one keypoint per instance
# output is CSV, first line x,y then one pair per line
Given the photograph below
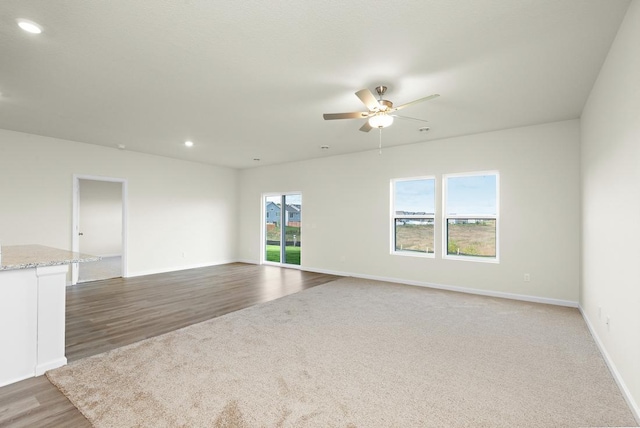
x,y
465,239
292,235
292,254
414,237
473,239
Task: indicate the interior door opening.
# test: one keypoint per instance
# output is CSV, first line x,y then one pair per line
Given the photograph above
x,y
99,224
282,214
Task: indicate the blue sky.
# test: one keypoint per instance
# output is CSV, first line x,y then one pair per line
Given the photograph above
x,y
415,195
294,199
291,199
465,195
472,195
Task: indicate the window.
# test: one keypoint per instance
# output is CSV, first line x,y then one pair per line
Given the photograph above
x,y
471,216
413,216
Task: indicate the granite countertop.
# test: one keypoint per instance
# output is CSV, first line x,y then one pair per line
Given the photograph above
x,y
31,256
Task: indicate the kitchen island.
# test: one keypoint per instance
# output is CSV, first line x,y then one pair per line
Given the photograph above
x,y
32,309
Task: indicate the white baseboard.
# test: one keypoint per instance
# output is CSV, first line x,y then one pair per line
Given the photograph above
x,y
490,293
513,296
635,408
178,268
42,368
16,379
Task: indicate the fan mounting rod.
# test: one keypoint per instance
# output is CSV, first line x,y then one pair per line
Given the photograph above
x,y
383,104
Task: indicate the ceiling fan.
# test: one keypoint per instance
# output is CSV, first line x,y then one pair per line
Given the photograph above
x,y
380,114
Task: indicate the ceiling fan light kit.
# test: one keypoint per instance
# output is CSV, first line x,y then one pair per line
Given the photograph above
x,y
380,120
379,114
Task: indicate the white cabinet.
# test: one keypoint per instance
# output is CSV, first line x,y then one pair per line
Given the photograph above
x,y
32,322
18,324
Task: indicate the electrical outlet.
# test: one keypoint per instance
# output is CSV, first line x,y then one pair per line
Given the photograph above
x,y
527,277
184,254
607,322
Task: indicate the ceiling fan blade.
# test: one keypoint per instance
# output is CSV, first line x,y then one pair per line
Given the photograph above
x,y
354,115
430,97
366,127
410,118
368,99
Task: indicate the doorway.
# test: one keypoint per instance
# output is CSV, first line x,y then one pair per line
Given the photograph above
x,y
99,225
282,235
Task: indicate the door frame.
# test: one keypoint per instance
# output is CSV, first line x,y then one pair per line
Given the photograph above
x,y
75,226
263,231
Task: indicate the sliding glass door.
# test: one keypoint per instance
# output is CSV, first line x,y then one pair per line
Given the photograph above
x,y
282,214
272,230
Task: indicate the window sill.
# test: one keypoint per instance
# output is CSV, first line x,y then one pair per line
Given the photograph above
x,y
493,260
413,254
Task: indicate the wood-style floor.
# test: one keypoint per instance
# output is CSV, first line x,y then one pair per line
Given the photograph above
x,y
105,315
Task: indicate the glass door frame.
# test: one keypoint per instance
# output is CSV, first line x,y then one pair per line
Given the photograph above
x,y
283,241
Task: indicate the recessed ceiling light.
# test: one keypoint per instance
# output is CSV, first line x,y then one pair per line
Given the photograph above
x,y
122,146
256,159
188,143
324,147
424,129
29,26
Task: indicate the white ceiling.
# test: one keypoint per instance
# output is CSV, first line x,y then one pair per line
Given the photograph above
x,y
251,79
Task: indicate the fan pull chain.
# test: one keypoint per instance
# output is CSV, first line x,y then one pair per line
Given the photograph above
x,y
380,144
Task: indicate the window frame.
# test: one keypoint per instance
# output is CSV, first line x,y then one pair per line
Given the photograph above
x,y
394,216
470,216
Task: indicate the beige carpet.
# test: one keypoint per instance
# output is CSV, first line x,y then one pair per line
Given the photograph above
x,y
357,353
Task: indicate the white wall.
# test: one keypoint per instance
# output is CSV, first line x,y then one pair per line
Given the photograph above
x,y
174,206
100,217
610,163
346,210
